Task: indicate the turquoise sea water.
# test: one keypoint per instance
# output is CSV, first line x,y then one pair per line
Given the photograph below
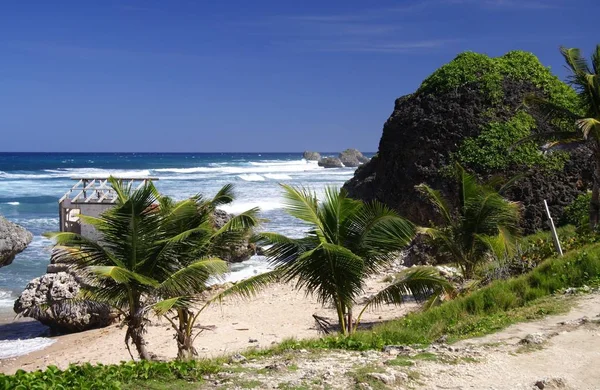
x,y
32,183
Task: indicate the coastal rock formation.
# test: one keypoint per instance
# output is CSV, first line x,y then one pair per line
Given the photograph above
x,y
235,252
471,111
13,240
49,299
311,156
352,158
331,162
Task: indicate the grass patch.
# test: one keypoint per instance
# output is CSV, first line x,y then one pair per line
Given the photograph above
x,y
161,385
401,361
249,384
361,375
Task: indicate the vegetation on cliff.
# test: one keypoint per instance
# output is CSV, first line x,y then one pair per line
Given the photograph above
x,y
472,111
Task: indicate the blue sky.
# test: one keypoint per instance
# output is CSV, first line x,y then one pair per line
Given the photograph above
x,y
254,76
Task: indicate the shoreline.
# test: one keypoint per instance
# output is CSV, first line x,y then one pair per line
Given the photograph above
x,y
276,314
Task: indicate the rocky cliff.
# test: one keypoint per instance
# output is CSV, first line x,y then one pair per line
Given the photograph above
x,y
13,240
471,111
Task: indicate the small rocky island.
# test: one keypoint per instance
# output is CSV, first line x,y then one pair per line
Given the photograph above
x,y
348,158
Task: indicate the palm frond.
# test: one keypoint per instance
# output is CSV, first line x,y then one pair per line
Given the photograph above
x,y
589,125
420,282
550,110
302,204
225,196
436,198
166,305
575,60
192,278
122,275
243,221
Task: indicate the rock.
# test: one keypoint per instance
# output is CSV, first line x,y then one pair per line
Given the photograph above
x,y
388,379
48,299
426,131
13,240
251,340
311,156
533,339
237,358
330,162
550,383
352,158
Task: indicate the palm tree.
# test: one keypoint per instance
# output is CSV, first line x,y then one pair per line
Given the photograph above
x,y
586,129
347,242
150,248
195,236
484,222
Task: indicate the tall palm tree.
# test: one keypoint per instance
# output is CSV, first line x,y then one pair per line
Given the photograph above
x,y
347,242
150,247
484,222
585,123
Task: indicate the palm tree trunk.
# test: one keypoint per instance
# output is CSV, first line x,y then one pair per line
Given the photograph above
x,y
185,341
595,202
349,321
136,332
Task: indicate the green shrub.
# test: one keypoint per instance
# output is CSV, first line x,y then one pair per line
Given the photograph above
x,y
491,149
578,212
107,377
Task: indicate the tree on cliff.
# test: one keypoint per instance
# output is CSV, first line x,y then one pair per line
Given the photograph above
x,y
484,221
347,242
586,81
151,248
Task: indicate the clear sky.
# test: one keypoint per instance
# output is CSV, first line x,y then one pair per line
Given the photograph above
x,y
254,76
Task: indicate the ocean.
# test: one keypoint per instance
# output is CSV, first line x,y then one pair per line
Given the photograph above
x,y
32,183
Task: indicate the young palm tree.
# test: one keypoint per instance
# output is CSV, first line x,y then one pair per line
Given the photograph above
x,y
150,247
483,222
347,242
586,81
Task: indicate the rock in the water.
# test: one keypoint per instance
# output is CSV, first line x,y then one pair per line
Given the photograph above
x,y
331,162
49,299
13,240
461,113
352,158
311,156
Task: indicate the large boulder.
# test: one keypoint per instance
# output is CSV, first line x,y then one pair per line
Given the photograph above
x,y
330,162
50,299
311,156
13,240
352,158
471,111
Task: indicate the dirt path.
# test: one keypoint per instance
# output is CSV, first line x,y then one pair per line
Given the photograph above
x,y
562,352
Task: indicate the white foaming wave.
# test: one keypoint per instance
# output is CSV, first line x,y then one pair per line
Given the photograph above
x,y
251,177
271,163
253,167
241,206
6,299
99,172
278,176
77,172
254,266
12,203
14,348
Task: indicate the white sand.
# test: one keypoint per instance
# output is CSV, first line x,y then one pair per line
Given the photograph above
x,y
277,313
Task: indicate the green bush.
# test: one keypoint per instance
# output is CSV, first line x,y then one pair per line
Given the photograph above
x,y
578,212
106,377
491,149
490,72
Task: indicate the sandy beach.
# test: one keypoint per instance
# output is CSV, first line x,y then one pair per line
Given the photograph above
x,y
277,313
